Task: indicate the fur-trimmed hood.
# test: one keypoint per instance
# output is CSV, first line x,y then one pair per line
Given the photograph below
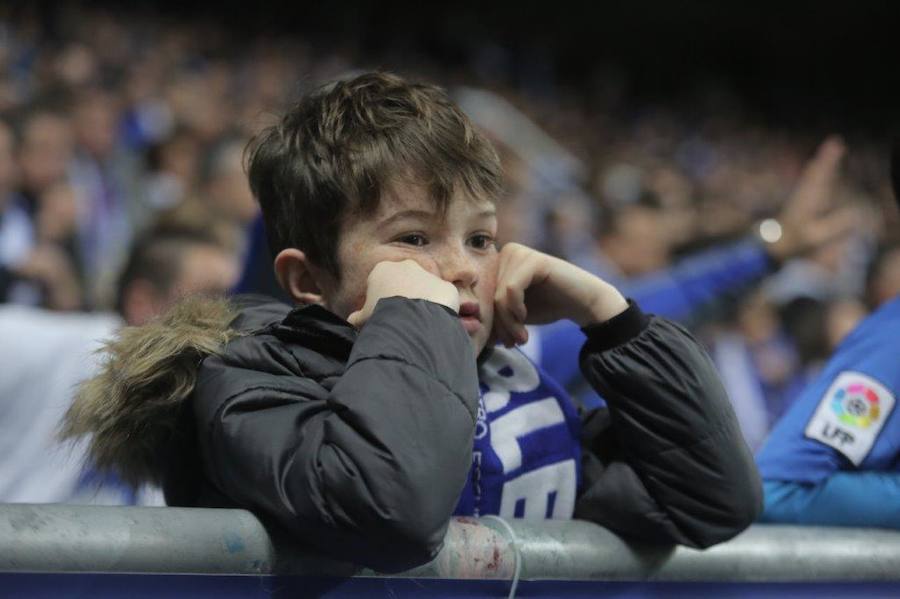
x,y
132,410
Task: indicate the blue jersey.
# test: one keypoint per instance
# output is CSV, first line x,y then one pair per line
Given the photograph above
x,y
846,419
526,460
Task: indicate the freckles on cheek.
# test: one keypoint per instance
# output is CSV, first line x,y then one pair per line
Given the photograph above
x,y
490,278
489,288
356,296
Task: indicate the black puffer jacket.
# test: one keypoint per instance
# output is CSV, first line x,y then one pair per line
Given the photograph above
x,y
360,443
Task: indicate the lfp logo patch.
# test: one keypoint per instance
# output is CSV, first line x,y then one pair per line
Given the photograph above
x,y
851,414
856,405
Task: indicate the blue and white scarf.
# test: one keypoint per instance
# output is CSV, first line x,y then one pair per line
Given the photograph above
x,y
526,461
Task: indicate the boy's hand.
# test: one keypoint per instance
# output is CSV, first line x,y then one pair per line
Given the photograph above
x,y
534,288
404,279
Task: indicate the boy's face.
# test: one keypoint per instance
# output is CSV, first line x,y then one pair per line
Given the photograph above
x,y
457,247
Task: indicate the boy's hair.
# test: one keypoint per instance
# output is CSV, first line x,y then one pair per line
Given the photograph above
x,y
336,152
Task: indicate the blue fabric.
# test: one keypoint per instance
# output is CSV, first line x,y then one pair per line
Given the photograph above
x,y
526,459
843,499
256,249
676,293
873,349
698,280
560,345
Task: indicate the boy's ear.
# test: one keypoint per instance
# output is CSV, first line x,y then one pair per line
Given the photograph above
x,y
297,276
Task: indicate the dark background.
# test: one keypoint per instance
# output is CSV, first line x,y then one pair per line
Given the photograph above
x,y
790,60
804,64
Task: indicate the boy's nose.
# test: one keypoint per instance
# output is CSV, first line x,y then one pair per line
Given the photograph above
x,y
458,268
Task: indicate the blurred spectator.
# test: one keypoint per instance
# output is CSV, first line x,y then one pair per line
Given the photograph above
x,y
758,363
226,187
16,229
106,177
45,152
36,265
172,168
634,238
51,352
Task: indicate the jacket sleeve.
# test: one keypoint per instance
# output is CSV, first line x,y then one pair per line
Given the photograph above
x,y
371,470
667,461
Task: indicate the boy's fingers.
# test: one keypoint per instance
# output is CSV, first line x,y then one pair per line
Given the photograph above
x,y
515,335
511,330
507,340
492,339
511,288
498,335
501,325
510,301
501,328
523,336
515,302
514,275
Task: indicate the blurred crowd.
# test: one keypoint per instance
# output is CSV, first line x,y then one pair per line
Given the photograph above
x,y
114,128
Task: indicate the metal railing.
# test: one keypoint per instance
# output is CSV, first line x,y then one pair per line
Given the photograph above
x,y
60,538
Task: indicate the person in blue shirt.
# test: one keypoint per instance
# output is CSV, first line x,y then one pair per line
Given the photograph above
x,y
834,459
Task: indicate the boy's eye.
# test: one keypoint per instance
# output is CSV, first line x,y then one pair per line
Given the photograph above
x,y
481,242
413,239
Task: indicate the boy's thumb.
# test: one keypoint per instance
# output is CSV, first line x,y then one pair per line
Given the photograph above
x,y
356,319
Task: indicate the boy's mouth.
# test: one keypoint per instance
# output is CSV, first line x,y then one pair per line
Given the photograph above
x,y
470,316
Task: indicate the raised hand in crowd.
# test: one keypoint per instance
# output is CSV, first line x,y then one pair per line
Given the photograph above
x,y
810,218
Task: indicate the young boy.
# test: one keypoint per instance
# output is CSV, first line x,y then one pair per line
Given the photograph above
x,y
363,419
